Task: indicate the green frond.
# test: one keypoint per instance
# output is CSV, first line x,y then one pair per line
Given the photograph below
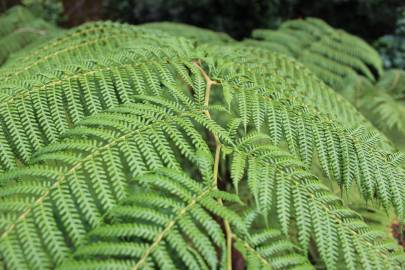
x,y
85,175
115,139
60,102
331,54
319,215
269,249
167,226
345,155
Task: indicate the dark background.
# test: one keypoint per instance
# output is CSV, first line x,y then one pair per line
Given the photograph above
x,y
368,19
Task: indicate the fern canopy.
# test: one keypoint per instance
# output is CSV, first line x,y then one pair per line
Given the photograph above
x,y
115,139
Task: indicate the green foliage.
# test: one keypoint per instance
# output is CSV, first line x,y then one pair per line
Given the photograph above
x,y
115,138
347,64
333,55
383,103
19,28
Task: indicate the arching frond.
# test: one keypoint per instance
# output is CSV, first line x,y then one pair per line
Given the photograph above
x,y
83,176
331,54
342,153
64,98
278,180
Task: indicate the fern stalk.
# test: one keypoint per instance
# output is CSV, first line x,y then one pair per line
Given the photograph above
x,y
228,230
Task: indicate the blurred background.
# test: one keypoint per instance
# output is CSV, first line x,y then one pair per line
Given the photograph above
x,y
376,21
369,19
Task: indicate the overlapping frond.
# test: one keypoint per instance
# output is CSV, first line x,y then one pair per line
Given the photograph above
x,y
278,180
62,98
347,155
344,62
84,175
331,54
170,225
104,104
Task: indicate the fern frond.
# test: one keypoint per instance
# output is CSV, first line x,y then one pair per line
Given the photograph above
x,y
268,248
167,226
336,230
84,176
331,54
62,100
341,152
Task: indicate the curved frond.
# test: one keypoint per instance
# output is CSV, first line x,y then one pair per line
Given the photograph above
x,y
331,54
278,180
73,183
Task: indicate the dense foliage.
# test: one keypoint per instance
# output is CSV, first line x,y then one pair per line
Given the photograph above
x,y
347,64
333,55
164,146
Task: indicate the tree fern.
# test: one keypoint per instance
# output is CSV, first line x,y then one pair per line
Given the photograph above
x,y
331,54
336,58
114,160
